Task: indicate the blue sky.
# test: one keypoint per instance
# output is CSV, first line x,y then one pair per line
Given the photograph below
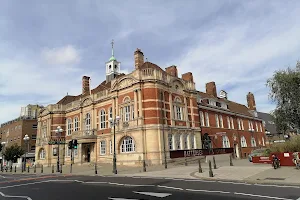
x,y
47,46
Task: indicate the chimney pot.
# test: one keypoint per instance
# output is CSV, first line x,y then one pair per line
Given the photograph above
x,y
85,85
211,89
138,58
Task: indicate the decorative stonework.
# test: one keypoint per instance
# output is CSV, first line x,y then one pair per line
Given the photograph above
x,y
86,102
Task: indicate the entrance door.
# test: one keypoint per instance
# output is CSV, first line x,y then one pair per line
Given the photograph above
x,y
88,155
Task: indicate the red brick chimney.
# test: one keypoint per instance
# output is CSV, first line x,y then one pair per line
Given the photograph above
x,y
188,76
138,58
85,85
172,70
251,101
211,89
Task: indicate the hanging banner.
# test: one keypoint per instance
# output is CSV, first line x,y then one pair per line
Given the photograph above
x,y
199,152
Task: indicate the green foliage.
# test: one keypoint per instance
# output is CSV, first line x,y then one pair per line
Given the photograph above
x,y
284,90
12,153
292,145
266,152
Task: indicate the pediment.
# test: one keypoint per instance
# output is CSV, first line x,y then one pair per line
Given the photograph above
x,y
86,102
124,83
44,112
177,85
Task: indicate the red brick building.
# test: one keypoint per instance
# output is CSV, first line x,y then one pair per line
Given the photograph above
x,y
158,111
226,123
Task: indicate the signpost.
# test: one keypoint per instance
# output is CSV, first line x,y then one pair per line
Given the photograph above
x,y
200,152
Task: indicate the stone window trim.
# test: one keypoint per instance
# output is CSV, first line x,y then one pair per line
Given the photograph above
x,y
87,121
102,119
253,142
76,123
225,141
42,154
69,126
243,142
103,147
127,145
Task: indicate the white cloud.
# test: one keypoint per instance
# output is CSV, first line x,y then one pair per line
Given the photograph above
x,y
62,55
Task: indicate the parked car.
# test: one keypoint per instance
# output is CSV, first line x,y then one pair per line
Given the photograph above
x,y
256,152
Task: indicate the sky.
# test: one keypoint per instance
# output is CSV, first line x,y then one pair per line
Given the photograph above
x,y
47,46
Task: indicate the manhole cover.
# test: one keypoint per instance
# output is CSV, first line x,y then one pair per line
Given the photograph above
x,y
278,179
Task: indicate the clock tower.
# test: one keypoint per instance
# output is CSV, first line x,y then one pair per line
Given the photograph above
x,y
112,66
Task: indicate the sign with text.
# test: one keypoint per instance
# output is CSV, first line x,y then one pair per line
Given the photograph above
x,y
199,152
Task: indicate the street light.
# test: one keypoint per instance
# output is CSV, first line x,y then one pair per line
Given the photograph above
x,y
26,140
3,145
114,122
58,132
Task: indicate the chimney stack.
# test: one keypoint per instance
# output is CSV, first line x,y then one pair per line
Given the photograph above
x,y
172,70
85,85
251,101
138,58
211,89
188,76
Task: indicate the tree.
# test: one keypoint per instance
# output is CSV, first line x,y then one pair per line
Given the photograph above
x,y
12,153
285,92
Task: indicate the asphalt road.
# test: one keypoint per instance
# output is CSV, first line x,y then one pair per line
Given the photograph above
x,y
58,187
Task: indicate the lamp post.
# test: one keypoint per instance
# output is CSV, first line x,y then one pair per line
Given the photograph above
x,y
114,122
58,132
3,145
26,140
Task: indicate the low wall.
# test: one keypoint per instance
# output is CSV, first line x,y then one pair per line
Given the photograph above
x,y
286,159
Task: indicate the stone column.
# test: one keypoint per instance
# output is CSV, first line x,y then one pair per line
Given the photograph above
x,y
135,105
171,109
81,121
140,103
192,112
186,113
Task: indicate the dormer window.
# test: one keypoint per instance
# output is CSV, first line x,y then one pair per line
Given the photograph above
x,y
218,104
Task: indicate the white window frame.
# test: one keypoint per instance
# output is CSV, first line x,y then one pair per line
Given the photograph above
x,y
243,141
207,119
192,140
178,141
221,121
263,141
126,113
88,121
202,118
225,141
76,124
260,126
228,123
102,117
69,126
253,142
242,124
232,123
184,138
42,154
127,145
170,141
217,120
256,126
102,147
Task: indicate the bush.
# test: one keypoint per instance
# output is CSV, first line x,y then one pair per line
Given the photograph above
x,y
292,145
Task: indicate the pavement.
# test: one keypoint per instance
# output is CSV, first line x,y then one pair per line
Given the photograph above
x,y
75,187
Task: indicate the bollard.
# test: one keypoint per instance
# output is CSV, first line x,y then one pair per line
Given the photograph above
x,y
10,169
96,172
52,169
71,167
200,168
144,166
60,168
15,169
34,169
214,160
185,161
42,170
211,174
28,169
230,160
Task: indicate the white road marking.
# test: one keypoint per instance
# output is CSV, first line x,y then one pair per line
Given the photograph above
x,y
284,186
262,196
120,198
211,191
133,185
205,181
115,183
154,194
95,182
2,176
22,197
11,186
162,186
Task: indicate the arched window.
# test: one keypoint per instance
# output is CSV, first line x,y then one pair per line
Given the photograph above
x,y
88,121
226,142
253,142
184,141
221,121
102,147
207,119
202,118
178,110
232,124
76,124
243,142
102,119
217,120
69,126
177,141
127,145
228,122
42,154
263,141
170,141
